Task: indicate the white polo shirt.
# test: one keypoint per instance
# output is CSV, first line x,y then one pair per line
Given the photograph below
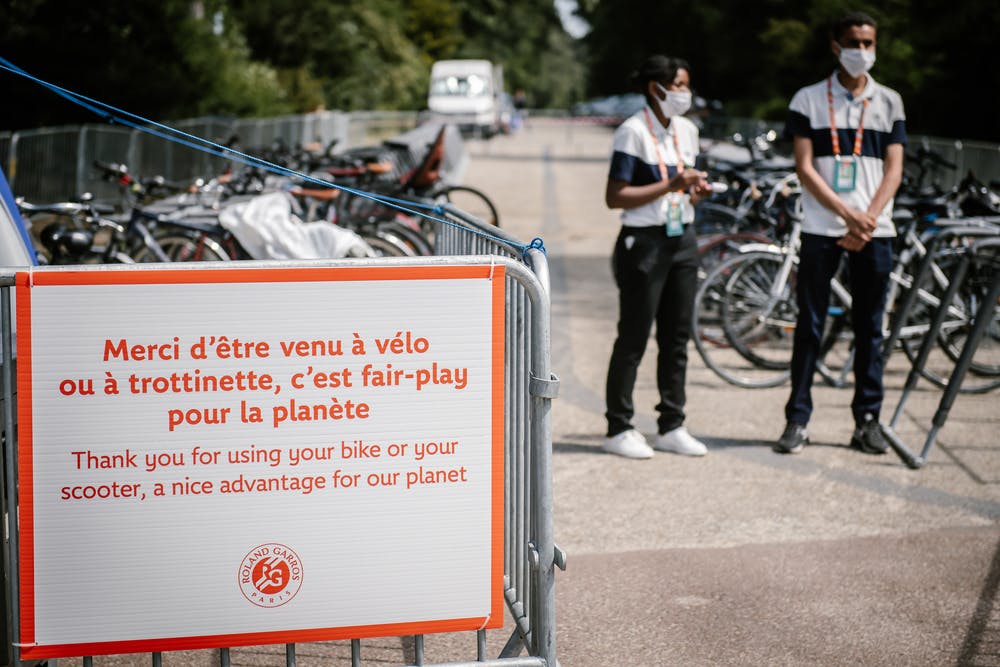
x,y
884,124
634,160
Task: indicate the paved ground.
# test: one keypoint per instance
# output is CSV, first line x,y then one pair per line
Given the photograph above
x,y
744,557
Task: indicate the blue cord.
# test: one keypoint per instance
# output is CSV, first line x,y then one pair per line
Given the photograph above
x,y
219,150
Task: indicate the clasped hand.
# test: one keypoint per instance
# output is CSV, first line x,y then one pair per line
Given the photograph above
x,y
860,226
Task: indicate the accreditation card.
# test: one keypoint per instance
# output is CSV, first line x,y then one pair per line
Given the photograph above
x,y
845,174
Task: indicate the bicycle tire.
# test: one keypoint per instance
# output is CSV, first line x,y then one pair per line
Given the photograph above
x,y
471,201
758,326
714,248
183,248
386,244
413,238
708,322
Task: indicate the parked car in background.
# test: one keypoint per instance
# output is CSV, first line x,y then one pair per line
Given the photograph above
x,y
467,93
612,109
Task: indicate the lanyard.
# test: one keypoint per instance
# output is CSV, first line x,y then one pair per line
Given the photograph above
x,y
659,156
833,123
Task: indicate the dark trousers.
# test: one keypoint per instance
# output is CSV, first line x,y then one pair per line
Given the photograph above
x,y
869,268
657,277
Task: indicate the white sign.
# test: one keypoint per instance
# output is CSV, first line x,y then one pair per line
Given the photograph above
x,y
248,456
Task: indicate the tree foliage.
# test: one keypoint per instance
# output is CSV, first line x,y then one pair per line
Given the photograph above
x,y
754,55
175,58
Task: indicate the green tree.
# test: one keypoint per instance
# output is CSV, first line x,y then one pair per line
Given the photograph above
x,y
754,55
358,51
157,58
527,38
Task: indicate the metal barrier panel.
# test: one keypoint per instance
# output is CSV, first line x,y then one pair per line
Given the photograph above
x,y
45,163
530,555
530,551
108,144
53,164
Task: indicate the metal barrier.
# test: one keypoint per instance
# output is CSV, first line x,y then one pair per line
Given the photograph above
x,y
983,251
54,163
530,555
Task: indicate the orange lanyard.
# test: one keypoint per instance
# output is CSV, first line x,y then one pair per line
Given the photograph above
x,y
833,123
664,176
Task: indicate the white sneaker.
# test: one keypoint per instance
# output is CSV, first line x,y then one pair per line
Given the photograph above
x,y
630,444
679,441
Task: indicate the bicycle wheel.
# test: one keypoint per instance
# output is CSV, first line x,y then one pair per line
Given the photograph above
x,y
386,244
402,228
709,327
471,201
715,248
758,315
182,248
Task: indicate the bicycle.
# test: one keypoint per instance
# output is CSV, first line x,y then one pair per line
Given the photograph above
x,y
85,233
745,314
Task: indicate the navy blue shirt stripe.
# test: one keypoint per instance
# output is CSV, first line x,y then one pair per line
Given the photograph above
x,y
873,142
632,170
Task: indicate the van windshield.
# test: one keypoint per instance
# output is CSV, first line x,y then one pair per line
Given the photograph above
x,y
465,85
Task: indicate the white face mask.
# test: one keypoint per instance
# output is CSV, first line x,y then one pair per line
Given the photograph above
x,y
676,104
857,61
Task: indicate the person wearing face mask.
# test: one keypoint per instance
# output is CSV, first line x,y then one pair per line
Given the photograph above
x,y
849,132
655,259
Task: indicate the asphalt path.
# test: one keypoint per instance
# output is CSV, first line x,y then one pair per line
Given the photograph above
x,y
743,557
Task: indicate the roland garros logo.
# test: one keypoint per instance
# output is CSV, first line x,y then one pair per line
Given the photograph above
x,y
270,575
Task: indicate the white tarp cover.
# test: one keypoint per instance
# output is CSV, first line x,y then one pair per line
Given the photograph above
x,y
268,229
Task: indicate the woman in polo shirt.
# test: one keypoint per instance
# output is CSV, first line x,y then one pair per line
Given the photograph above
x,y
655,261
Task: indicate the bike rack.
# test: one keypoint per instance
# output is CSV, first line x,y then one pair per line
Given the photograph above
x,y
981,321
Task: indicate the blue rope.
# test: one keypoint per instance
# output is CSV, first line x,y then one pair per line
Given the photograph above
x,y
536,244
218,150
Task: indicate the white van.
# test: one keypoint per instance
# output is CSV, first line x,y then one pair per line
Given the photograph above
x,y
467,93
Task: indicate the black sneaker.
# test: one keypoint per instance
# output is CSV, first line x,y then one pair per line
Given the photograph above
x,y
869,438
792,440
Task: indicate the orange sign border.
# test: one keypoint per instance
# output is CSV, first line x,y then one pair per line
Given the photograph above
x,y
25,281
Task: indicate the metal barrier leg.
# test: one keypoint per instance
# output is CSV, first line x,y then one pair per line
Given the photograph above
x,y
11,564
418,650
981,322
983,318
930,340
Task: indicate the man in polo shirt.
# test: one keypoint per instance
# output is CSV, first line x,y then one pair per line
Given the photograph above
x,y
849,133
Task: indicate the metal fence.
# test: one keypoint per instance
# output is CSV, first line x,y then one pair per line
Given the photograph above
x,y
530,555
981,157
55,163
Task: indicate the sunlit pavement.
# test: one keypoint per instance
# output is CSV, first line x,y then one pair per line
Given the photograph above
x,y
830,557
743,557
